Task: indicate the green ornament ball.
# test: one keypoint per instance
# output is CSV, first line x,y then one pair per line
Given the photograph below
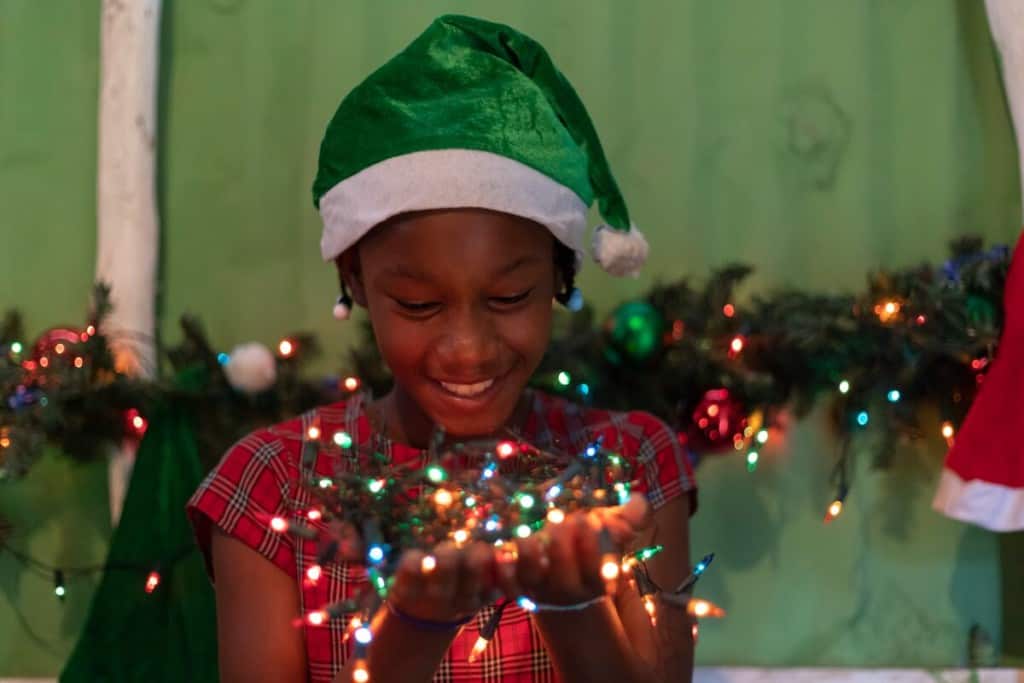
x,y
633,333
981,312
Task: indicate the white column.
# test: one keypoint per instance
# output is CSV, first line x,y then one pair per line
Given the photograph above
x,y
127,232
1006,18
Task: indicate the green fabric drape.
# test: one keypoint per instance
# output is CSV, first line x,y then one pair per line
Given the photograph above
x,y
169,635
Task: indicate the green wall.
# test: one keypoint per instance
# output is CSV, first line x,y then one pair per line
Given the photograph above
x,y
815,139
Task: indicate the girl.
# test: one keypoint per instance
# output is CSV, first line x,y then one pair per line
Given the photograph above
x,y
453,186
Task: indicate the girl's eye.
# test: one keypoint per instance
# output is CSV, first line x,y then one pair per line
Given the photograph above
x,y
511,300
417,307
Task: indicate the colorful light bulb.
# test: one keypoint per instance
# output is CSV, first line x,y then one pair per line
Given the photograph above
x,y
702,609
834,510
478,648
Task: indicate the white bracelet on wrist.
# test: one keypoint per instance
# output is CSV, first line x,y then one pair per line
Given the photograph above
x,y
533,607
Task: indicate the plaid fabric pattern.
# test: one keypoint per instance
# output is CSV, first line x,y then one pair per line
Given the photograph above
x,y
259,478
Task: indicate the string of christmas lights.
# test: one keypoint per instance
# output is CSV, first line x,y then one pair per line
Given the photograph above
x,y
497,492
150,575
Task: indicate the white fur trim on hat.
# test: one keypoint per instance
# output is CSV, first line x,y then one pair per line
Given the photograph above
x,y
989,505
620,252
447,179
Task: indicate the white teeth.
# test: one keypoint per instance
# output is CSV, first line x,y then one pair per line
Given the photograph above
x,y
468,390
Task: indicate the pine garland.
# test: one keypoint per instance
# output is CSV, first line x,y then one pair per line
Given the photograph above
x,y
921,335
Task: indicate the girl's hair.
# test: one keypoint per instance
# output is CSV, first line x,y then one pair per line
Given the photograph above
x,y
565,265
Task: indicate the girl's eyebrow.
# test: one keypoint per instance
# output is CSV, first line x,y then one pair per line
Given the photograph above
x,y
408,272
522,261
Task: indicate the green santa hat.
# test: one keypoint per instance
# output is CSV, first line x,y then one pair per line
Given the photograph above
x,y
471,114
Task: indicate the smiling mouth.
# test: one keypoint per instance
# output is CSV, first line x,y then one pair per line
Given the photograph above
x,y
467,390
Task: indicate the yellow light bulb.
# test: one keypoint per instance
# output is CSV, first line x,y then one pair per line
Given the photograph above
x,y
478,648
443,497
556,516
360,674
609,569
313,433
703,609
428,564
461,536
947,430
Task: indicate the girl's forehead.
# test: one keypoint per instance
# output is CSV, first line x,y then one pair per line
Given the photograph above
x,y
462,236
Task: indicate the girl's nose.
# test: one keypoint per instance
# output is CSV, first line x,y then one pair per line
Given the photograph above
x,y
468,351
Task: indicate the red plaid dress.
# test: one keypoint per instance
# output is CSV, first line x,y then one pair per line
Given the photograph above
x,y
259,478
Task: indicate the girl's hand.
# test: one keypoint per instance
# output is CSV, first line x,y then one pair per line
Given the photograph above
x,y
452,584
561,564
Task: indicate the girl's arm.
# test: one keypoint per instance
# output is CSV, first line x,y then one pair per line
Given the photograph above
x,y
406,652
256,603
401,653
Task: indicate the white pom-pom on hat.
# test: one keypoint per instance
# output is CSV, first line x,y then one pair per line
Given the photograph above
x,y
251,368
619,252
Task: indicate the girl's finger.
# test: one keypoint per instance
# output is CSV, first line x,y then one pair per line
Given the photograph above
x,y
442,574
588,552
533,563
409,578
505,559
622,532
563,579
470,587
636,512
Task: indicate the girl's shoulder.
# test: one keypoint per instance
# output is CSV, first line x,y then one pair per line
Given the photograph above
x,y
657,453
258,479
573,424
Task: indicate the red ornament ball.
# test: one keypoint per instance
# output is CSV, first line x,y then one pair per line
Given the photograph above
x,y
56,342
717,423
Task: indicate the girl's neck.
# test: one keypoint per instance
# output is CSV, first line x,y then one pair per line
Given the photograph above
x,y
401,420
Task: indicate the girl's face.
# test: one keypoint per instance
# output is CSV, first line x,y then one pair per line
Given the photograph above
x,y
460,303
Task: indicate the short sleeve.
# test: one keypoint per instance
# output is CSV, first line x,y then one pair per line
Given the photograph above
x,y
663,470
248,488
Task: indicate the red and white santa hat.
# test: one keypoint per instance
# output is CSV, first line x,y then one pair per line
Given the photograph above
x,y
983,477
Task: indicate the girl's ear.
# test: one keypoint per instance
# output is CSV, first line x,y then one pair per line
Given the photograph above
x,y
350,275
